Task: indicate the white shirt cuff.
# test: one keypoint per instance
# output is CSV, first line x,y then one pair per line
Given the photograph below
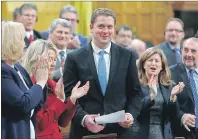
x,y
83,121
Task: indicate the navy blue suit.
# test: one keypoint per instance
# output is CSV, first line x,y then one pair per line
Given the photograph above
x,y
17,102
185,100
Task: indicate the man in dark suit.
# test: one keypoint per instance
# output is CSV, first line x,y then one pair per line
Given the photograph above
x,y
186,124
174,34
112,73
28,16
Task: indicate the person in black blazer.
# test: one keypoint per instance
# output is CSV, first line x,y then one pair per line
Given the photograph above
x,y
19,97
159,102
184,124
122,87
174,33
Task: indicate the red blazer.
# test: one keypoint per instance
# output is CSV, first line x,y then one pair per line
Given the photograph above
x,y
53,114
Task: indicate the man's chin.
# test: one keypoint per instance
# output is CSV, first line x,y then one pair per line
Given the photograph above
x,y
189,65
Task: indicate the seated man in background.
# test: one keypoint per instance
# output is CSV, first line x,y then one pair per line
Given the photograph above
x,y
138,45
124,36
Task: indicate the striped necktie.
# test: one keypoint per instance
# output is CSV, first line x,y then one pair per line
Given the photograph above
x,y
195,95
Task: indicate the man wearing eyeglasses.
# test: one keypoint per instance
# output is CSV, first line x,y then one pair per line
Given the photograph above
x,y
69,13
174,33
28,16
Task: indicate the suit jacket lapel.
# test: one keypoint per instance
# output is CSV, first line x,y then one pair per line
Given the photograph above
x,y
165,92
27,42
25,76
184,77
114,60
91,64
145,90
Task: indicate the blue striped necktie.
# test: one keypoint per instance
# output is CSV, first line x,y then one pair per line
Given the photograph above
x,y
195,95
102,73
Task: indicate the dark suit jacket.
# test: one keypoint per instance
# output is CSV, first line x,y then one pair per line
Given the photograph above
x,y
170,55
185,99
17,102
169,111
123,89
37,35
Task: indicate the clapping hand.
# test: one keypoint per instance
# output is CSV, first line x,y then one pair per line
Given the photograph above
x,y
153,87
78,92
41,70
176,90
59,91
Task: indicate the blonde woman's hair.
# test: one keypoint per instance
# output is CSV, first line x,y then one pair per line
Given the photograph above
x,y
164,75
13,34
37,48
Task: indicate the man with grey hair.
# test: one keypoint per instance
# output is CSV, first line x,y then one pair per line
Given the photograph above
x,y
186,123
124,36
60,34
16,15
69,13
112,73
28,14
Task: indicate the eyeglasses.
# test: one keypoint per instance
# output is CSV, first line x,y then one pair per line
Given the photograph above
x,y
72,20
28,15
176,30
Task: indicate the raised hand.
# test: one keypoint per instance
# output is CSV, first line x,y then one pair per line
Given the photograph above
x,y
73,43
178,88
153,87
60,90
41,70
78,92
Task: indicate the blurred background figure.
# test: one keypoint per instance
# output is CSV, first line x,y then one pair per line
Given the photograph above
x,y
159,102
138,45
28,14
124,36
174,34
16,15
70,14
20,99
56,111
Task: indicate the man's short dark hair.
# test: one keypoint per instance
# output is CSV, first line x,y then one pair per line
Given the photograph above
x,y
123,27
